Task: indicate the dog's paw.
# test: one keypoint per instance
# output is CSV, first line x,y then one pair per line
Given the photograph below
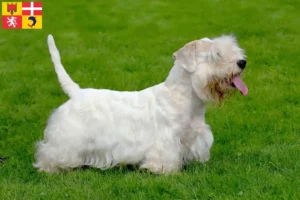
x,y
160,169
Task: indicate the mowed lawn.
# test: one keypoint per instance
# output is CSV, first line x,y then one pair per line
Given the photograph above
x,y
128,45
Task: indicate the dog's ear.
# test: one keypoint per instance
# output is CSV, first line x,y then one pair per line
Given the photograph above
x,y
188,55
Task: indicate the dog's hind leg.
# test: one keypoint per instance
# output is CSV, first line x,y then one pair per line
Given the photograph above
x,y
62,144
52,159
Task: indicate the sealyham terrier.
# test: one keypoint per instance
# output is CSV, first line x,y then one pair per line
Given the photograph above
x,y
159,128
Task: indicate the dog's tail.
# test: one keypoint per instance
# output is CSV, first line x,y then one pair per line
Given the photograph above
x,y
67,84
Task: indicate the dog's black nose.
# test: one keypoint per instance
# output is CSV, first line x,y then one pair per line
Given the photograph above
x,y
242,64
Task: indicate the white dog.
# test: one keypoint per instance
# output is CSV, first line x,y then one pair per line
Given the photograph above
x,y
159,128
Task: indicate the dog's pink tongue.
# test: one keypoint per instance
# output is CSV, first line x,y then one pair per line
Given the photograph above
x,y
240,85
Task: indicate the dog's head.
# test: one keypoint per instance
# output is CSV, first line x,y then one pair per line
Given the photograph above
x,y
215,67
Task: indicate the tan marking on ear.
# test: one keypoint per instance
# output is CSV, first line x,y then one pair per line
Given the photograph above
x,y
185,56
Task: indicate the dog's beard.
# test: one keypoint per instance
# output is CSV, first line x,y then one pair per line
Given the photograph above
x,y
222,88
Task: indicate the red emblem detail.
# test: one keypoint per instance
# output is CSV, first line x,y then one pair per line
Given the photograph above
x,y
11,8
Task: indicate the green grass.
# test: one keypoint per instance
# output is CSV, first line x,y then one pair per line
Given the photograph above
x,y
128,45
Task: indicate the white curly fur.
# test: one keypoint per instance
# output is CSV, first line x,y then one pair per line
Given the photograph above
x,y
159,128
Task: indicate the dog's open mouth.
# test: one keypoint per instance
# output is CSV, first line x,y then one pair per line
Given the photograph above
x,y
224,88
238,83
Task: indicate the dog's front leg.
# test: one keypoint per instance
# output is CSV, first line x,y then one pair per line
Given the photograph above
x,y
196,146
163,157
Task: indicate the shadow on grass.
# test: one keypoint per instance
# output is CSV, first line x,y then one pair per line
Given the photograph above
x,y
123,169
2,160
120,169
